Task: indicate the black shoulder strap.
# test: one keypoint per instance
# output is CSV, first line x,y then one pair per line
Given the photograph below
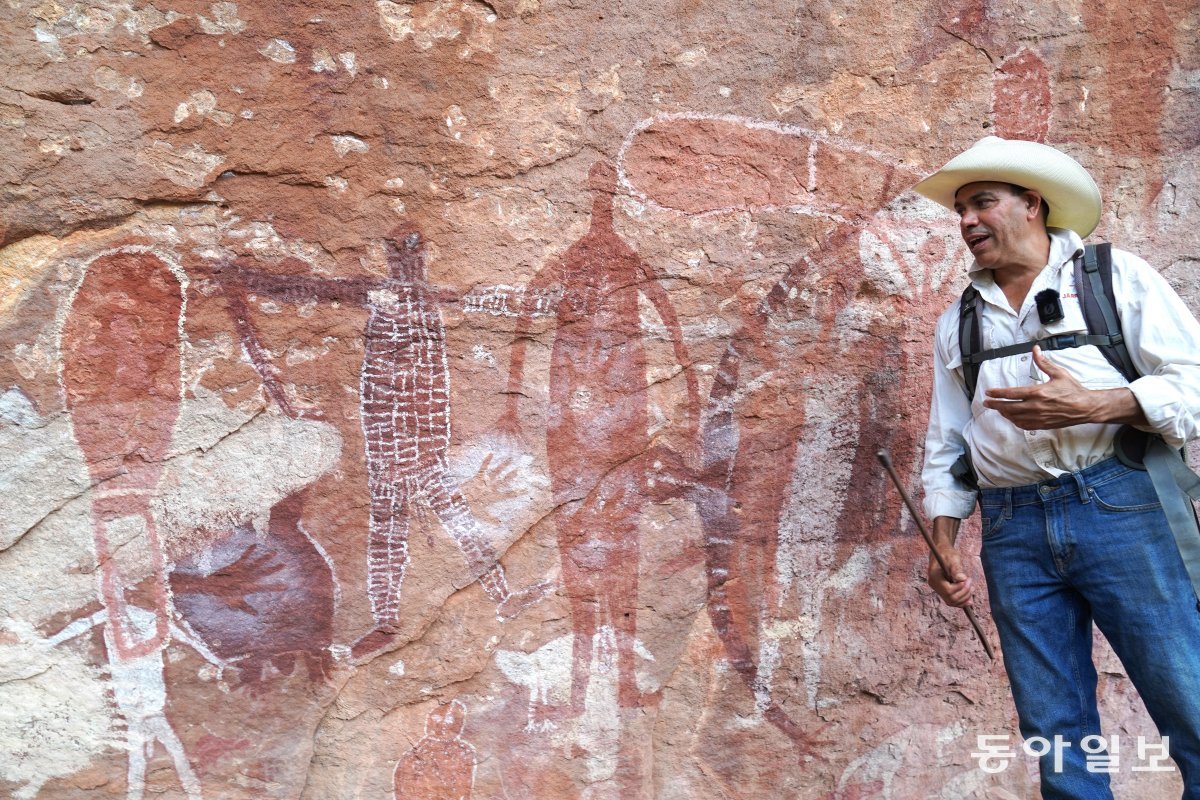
x,y
1093,283
970,336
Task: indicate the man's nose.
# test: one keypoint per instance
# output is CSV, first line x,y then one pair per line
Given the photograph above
x,y
967,219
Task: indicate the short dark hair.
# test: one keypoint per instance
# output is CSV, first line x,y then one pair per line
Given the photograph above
x,y
1019,190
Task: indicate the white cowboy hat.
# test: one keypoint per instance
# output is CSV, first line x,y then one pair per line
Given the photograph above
x,y
1067,187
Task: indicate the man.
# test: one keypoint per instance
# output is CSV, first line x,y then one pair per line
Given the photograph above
x,y
1070,534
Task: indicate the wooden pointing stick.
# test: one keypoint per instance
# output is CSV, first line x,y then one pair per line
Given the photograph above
x,y
886,460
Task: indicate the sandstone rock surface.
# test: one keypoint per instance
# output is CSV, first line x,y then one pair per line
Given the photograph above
x,y
449,399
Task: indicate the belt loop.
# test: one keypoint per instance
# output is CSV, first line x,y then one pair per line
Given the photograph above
x,y
1008,502
1081,485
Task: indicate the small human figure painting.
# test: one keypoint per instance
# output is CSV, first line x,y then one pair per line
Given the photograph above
x,y
442,764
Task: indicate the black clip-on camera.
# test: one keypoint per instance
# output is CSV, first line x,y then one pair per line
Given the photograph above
x,y
1049,307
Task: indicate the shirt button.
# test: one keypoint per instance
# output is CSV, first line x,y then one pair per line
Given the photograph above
x,y
1024,358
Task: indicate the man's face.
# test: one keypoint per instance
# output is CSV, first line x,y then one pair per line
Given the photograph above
x,y
996,224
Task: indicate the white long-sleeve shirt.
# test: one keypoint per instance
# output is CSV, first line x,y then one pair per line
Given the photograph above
x,y
1163,339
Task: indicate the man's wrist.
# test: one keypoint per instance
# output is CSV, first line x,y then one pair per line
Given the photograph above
x,y
1118,406
945,532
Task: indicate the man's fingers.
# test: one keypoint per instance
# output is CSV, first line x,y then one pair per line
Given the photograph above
x,y
951,584
958,601
955,583
1012,392
1005,408
998,404
957,593
1045,364
954,569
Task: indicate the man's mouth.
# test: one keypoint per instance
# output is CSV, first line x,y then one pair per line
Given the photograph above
x,y
975,240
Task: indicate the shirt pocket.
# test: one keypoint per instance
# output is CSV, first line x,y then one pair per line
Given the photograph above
x,y
1072,321
1087,364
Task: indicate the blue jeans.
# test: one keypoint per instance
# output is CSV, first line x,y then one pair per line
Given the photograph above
x,y
1092,545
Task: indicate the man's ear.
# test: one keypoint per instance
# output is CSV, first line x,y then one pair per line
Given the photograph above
x,y
1034,203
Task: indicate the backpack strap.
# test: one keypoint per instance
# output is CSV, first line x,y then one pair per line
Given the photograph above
x,y
1062,341
1093,283
970,337
1176,486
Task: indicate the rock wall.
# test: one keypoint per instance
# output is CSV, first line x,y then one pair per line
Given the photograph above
x,y
446,400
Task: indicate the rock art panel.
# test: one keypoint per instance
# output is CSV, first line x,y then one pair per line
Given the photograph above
x,y
452,399
743,477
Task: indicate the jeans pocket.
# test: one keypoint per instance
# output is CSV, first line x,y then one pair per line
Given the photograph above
x,y
992,519
1125,496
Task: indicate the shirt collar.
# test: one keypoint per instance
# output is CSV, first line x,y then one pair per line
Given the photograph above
x,y
1065,244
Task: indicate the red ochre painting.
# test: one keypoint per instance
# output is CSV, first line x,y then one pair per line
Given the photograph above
x,y
452,400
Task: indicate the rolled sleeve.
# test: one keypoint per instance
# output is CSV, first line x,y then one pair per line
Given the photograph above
x,y
1161,334
1166,412
956,503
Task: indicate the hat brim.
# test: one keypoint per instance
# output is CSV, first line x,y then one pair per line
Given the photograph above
x,y
1072,195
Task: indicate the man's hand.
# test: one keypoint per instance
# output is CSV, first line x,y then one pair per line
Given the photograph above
x,y
954,588
1062,401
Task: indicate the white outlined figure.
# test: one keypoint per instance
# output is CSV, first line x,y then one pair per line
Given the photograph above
x,y
141,693
121,373
405,384
442,764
